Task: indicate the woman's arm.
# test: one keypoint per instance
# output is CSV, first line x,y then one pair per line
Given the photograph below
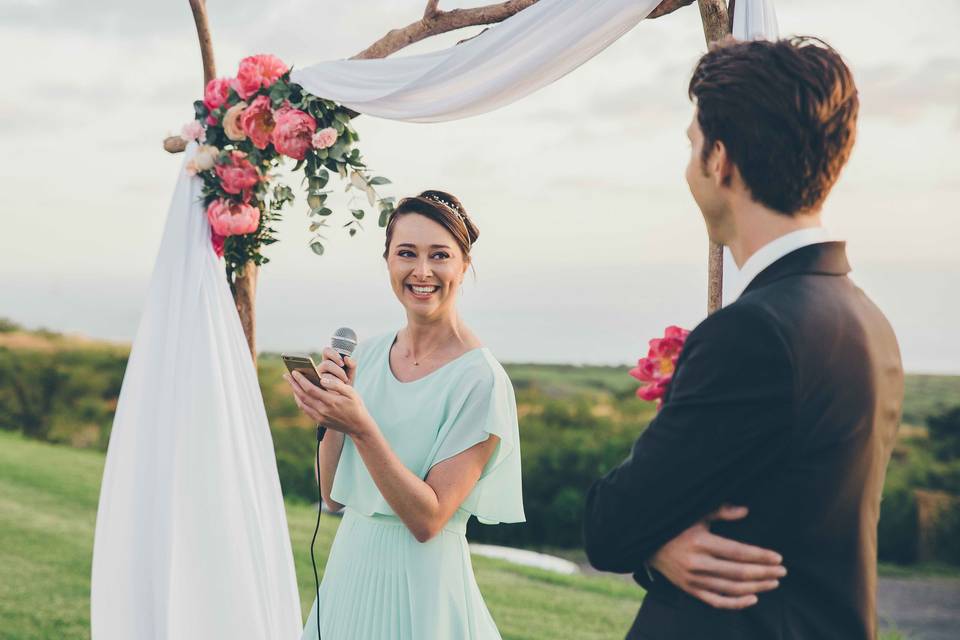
x,y
424,506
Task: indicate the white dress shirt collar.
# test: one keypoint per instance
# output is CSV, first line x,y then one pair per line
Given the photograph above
x,y
773,251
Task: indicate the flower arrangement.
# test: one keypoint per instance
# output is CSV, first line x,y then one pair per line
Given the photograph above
x,y
657,369
246,126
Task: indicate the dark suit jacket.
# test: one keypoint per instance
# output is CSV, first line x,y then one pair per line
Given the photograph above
x,y
786,401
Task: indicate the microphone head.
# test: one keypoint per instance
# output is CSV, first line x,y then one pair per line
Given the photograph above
x,y
344,341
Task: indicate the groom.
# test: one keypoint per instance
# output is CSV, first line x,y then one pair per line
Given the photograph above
x,y
786,402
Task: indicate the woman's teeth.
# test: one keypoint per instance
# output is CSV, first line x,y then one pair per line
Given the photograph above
x,y
423,290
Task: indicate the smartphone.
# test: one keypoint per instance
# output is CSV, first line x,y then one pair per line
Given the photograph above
x,y
302,363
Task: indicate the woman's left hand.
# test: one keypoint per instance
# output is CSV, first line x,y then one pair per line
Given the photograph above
x,y
335,405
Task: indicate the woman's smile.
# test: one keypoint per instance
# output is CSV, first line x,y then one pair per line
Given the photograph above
x,y
422,292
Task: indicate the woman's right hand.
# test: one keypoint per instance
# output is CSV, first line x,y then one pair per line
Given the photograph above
x,y
333,363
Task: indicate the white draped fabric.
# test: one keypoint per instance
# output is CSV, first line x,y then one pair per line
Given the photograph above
x,y
191,536
507,62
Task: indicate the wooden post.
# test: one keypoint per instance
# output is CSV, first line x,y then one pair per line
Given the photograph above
x,y
245,287
716,25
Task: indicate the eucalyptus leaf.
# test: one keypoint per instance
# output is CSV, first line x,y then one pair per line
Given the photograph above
x,y
378,180
353,232
317,248
358,213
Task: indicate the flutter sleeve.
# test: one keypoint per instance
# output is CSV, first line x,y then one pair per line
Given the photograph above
x,y
483,406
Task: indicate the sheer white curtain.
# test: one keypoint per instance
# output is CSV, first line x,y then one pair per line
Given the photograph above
x,y
191,536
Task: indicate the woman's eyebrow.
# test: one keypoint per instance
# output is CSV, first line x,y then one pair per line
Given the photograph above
x,y
433,246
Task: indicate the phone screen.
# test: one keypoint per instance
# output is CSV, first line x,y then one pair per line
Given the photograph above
x,y
303,364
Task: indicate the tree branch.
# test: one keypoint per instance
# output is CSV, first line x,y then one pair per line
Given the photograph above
x,y
431,9
668,6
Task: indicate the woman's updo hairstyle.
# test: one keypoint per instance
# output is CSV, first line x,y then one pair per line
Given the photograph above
x,y
444,209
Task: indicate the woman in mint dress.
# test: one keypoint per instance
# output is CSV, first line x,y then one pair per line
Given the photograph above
x,y
422,435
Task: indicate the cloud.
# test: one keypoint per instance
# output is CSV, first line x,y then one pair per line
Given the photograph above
x,y
902,92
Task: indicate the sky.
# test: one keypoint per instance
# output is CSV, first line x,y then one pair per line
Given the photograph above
x,y
590,242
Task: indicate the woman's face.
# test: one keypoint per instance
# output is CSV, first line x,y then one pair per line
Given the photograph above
x,y
426,266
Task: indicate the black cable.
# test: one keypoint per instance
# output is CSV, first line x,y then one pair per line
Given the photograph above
x,y
316,578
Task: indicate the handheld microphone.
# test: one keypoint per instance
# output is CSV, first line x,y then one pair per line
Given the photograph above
x,y
344,341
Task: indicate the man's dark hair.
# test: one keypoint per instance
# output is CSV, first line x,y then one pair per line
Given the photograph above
x,y
786,112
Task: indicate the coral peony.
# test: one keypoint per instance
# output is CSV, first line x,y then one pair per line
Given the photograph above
x,y
293,133
232,218
324,138
193,130
216,93
658,367
231,122
257,122
237,175
257,72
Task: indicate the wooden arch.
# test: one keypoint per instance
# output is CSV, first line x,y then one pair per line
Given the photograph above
x,y
715,15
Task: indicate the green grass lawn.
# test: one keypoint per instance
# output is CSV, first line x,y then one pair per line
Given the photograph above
x,y
48,503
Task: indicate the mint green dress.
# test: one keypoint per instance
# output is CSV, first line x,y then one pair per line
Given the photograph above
x,y
379,582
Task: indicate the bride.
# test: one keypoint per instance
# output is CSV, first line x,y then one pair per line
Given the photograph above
x,y
422,435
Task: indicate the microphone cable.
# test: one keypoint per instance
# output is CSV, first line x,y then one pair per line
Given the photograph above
x,y
316,578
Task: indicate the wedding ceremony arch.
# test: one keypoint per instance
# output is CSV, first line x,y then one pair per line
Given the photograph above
x,y
191,535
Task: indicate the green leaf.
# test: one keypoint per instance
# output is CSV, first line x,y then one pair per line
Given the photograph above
x,y
342,117
384,218
299,164
322,211
317,248
358,213
353,232
378,180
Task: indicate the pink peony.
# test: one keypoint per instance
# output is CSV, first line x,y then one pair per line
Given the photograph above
x,y
237,175
324,138
658,367
256,72
231,122
193,130
257,122
216,93
232,218
217,241
293,133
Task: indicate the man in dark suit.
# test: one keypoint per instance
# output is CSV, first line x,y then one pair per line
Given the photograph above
x,y
785,402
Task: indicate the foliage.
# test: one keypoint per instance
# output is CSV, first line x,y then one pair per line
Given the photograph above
x,y
575,423
257,126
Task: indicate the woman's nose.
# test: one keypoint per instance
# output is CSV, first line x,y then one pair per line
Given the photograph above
x,y
422,270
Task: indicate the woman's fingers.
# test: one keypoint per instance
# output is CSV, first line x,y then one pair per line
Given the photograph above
x,y
731,587
728,512
311,413
332,368
308,388
728,549
739,571
724,602
333,356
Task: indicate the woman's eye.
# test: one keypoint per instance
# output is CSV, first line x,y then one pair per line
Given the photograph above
x,y
440,255
405,253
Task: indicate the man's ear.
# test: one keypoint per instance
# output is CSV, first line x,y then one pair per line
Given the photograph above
x,y
721,165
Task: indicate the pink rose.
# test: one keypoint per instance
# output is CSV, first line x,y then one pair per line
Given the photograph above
x,y
324,138
193,130
256,72
257,122
293,133
217,241
231,122
232,218
658,367
237,175
216,93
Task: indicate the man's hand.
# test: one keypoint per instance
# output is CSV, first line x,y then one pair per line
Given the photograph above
x,y
723,573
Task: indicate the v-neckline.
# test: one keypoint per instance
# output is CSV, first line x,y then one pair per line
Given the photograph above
x,y
394,377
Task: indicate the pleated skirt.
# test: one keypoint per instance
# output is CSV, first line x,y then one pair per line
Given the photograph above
x,y
381,584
